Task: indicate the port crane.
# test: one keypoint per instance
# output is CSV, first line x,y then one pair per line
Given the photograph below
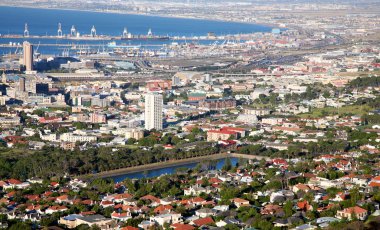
x,y
59,31
26,30
36,51
93,31
125,32
73,31
150,34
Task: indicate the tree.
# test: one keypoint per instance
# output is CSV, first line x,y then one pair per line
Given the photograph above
x,y
228,193
245,213
227,165
82,227
108,211
3,218
148,141
166,225
102,185
288,208
231,227
134,222
39,112
273,98
205,182
79,125
326,94
131,141
130,185
355,196
20,225
48,221
252,149
174,191
95,227
265,225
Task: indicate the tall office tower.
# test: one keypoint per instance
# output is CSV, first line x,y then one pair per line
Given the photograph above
x,y
21,84
28,55
153,111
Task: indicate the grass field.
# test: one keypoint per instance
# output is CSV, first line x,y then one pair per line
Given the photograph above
x,y
129,146
350,109
359,74
15,151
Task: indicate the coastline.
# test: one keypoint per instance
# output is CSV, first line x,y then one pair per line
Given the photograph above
x,y
167,164
142,14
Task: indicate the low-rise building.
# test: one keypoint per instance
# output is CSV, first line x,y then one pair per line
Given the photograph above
x,y
74,220
7,122
166,218
70,137
352,212
218,104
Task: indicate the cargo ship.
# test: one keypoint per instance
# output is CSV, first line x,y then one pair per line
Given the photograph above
x,y
149,36
157,38
114,45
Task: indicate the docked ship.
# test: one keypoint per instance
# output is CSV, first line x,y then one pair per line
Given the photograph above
x,y
149,36
113,45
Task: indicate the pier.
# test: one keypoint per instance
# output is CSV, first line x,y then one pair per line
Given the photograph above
x,y
78,46
125,35
117,38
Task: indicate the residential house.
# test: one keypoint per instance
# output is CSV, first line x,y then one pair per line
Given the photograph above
x,y
352,212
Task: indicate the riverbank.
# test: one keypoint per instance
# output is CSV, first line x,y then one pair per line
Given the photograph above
x,y
167,164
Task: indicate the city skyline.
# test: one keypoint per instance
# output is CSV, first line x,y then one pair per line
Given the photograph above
x,y
190,114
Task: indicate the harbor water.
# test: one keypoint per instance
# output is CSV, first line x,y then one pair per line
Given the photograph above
x,y
44,22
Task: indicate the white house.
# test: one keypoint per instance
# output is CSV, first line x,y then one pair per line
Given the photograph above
x,y
166,218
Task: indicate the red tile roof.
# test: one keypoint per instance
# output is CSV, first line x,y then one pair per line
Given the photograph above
x,y
129,228
163,208
356,210
203,221
179,226
151,198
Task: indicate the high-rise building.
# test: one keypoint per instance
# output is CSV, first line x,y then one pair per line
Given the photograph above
x,y
28,55
4,78
153,111
21,84
176,81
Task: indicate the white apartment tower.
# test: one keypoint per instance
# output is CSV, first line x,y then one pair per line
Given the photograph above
x,y
153,111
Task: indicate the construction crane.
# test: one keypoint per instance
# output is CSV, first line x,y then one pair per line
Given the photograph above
x,y
36,51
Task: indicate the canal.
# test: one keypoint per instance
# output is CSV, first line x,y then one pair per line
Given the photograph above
x,y
218,164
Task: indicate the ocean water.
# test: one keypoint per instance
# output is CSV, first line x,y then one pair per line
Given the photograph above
x,y
45,22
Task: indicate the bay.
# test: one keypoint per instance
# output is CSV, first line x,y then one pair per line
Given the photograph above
x,y
45,22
